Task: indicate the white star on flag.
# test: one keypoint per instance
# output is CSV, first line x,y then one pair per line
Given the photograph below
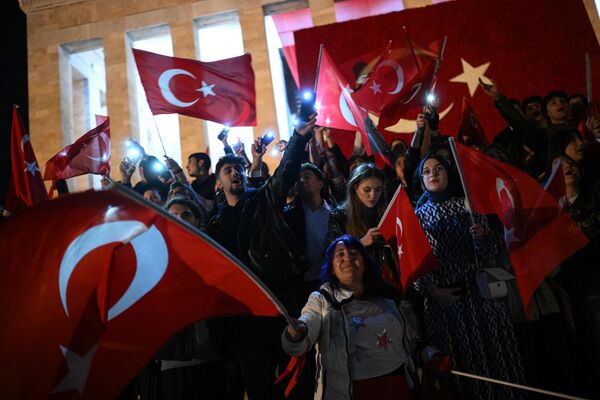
x,y
206,89
375,87
79,367
31,167
471,75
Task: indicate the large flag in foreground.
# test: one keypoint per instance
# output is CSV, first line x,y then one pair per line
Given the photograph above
x,y
92,284
90,154
538,235
401,228
221,91
26,186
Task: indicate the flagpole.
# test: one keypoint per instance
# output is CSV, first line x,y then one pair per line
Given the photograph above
x,y
461,174
389,206
516,385
588,76
159,137
318,68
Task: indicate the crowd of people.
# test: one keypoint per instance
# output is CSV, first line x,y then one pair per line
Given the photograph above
x,y
310,232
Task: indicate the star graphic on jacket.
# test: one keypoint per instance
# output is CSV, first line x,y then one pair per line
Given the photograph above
x,y
206,89
471,75
31,167
382,339
79,367
375,87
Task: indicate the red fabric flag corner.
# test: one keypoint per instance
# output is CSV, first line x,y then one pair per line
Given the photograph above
x,y
90,154
470,131
538,236
26,186
401,228
105,291
221,91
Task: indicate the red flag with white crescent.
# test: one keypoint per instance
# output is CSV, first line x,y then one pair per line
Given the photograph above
x,y
90,154
401,228
26,186
538,235
85,304
221,91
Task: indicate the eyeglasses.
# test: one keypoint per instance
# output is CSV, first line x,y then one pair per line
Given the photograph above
x,y
426,173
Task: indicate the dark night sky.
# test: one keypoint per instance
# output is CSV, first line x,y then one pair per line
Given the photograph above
x,y
13,79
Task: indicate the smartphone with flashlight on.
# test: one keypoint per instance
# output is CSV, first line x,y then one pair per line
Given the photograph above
x,y
307,105
134,151
267,138
223,133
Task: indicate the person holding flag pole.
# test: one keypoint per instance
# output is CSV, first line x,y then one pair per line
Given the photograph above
x,y
476,332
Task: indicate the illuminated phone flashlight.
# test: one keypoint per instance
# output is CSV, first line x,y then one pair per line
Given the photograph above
x,y
294,120
430,98
158,167
134,153
275,151
307,95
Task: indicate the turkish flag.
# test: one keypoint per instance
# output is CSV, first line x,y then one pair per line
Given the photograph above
x,y
538,236
221,91
401,228
90,154
94,283
26,186
387,79
412,96
470,130
507,41
335,105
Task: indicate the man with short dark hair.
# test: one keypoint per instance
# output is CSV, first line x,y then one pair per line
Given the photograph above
x,y
308,217
250,224
556,107
198,167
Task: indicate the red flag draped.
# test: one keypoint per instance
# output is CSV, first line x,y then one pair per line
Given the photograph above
x,y
26,186
538,236
86,303
90,154
502,40
402,229
222,91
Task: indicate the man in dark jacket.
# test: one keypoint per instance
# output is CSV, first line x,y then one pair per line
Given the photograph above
x,y
250,225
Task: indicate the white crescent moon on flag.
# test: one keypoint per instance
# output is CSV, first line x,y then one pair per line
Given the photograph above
x,y
165,90
345,109
399,225
24,140
399,74
150,249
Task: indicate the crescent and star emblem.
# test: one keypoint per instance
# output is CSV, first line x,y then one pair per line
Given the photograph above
x,y
507,202
164,81
399,234
152,258
399,75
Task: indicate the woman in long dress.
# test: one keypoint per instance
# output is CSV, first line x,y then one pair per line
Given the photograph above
x,y
476,332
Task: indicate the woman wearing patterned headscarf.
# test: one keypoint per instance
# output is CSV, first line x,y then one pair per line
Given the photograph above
x,y
476,332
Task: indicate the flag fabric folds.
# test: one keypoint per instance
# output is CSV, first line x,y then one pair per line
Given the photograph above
x,y
94,283
470,130
90,154
335,106
401,228
221,91
397,66
26,186
537,234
